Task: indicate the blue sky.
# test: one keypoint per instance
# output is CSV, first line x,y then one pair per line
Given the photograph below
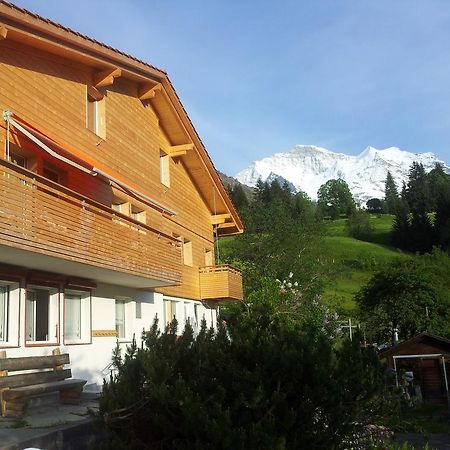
x,y
258,77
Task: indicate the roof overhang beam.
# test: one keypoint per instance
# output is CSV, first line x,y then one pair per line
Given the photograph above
x,y
179,150
106,77
220,219
147,92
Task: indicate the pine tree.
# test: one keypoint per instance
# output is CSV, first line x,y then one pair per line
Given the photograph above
x,y
238,196
442,218
400,236
421,231
390,194
418,190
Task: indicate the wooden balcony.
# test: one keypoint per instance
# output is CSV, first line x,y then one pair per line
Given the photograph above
x,y
46,226
220,283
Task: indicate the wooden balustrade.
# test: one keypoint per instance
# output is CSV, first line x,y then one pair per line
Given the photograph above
x,y
222,282
44,217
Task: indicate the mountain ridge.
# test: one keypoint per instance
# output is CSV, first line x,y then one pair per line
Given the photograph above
x,y
307,167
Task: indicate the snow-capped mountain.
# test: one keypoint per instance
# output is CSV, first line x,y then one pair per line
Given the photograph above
x,y
307,167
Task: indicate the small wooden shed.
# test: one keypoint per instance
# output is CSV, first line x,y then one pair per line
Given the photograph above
x,y
428,357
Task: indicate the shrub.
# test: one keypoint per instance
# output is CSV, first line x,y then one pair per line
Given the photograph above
x,y
359,226
264,382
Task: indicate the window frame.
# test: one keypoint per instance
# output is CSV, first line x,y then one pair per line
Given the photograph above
x,y
85,317
188,259
13,314
95,115
53,318
128,317
164,168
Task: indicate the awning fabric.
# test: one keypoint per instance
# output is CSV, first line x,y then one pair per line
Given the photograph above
x,y
74,157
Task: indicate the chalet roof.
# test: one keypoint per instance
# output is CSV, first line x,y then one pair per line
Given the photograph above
x,y
410,346
42,32
50,22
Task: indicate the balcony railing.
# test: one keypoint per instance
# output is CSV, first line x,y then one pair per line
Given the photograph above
x,y
220,283
43,217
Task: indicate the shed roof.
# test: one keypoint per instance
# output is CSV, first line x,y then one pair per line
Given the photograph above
x,y
423,343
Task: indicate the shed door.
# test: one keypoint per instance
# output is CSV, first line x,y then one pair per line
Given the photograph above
x,y
432,383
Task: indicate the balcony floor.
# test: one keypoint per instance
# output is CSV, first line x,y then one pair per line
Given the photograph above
x,y
36,261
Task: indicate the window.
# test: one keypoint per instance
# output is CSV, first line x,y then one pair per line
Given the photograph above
x,y
196,324
53,173
77,317
187,252
18,159
95,116
124,318
170,310
4,313
164,160
128,209
121,206
208,257
41,315
72,323
138,214
120,318
9,313
138,309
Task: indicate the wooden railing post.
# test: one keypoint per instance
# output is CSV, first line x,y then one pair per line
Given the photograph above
x,y
57,351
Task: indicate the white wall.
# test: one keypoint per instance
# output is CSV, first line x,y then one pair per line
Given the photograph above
x,y
92,361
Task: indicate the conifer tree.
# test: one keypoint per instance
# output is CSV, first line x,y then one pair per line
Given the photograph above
x,y
421,231
442,218
400,236
390,194
238,196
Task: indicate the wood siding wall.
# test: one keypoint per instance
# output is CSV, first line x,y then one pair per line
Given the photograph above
x,y
51,92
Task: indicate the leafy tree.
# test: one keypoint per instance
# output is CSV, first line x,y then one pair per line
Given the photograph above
x,y
374,205
407,295
390,194
359,226
335,198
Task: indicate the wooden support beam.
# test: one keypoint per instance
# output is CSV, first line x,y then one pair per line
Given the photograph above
x,y
226,225
179,150
3,33
148,92
94,93
220,219
106,77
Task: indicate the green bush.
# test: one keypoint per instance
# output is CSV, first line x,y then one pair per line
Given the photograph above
x,y
359,225
263,383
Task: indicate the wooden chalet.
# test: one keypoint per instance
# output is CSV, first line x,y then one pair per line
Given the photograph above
x,y
428,357
110,204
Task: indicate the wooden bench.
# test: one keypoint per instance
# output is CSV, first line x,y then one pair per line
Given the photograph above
x,y
43,374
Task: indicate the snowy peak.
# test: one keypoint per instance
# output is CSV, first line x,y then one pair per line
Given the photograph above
x,y
307,167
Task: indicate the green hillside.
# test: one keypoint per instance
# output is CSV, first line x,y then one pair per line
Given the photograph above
x,y
353,261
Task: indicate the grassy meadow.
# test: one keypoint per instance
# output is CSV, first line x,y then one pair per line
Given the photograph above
x,y
350,262
354,261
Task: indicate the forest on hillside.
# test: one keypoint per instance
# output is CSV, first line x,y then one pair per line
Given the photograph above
x,y
289,233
